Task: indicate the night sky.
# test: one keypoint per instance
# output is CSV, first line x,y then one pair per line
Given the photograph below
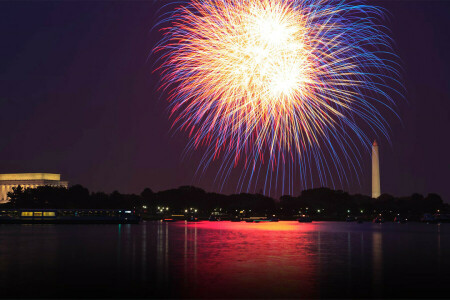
x,y
78,97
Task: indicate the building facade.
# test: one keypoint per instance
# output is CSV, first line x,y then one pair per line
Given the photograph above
x,y
28,180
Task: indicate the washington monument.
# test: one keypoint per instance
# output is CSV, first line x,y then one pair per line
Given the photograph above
x,y
375,171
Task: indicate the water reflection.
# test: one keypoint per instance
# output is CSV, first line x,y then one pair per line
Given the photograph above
x,y
225,259
162,254
349,262
377,265
222,258
439,246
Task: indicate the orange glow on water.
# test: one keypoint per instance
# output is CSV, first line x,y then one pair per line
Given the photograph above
x,y
259,226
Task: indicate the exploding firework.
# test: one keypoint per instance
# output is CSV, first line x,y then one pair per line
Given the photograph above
x,y
278,87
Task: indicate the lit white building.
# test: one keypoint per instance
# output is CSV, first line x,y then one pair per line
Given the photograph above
x,y
28,180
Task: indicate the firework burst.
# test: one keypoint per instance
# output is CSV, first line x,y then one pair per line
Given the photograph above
x,y
279,87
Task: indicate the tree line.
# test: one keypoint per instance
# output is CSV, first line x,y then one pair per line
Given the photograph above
x,y
322,203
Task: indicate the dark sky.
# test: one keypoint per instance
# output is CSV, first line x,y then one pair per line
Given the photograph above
x,y
77,97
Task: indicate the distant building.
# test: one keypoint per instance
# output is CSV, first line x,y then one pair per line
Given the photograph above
x,y
376,190
28,180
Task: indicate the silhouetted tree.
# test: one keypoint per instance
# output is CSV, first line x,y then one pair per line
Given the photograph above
x,y
147,196
16,196
332,204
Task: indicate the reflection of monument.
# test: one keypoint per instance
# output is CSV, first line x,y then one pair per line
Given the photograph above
x,y
376,191
27,180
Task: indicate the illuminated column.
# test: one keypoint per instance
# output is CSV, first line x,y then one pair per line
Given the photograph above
x,y
6,191
376,191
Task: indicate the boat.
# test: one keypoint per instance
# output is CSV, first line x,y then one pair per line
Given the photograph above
x,y
350,219
257,219
304,219
192,219
442,218
401,220
428,218
213,218
378,220
262,220
68,216
168,220
236,219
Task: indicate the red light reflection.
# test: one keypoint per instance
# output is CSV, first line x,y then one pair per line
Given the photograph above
x,y
270,259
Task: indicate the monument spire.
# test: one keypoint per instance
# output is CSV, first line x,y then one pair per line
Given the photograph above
x,y
376,191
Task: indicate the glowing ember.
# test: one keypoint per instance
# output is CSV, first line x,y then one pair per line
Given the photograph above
x,y
277,82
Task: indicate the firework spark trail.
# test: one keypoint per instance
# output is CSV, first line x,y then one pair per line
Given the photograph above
x,y
278,83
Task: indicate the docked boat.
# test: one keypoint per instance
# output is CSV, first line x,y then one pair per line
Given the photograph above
x,y
173,218
378,220
213,218
258,219
192,219
436,218
236,219
262,220
428,218
169,220
442,218
400,219
68,216
304,219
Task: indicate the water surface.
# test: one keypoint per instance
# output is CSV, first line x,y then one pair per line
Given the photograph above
x,y
225,259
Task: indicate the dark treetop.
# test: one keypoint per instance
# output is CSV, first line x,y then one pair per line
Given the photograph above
x,y
321,203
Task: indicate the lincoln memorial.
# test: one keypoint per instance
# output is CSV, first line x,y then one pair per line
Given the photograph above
x,y
28,180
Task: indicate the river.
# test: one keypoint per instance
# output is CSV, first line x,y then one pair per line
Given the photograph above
x,y
225,259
